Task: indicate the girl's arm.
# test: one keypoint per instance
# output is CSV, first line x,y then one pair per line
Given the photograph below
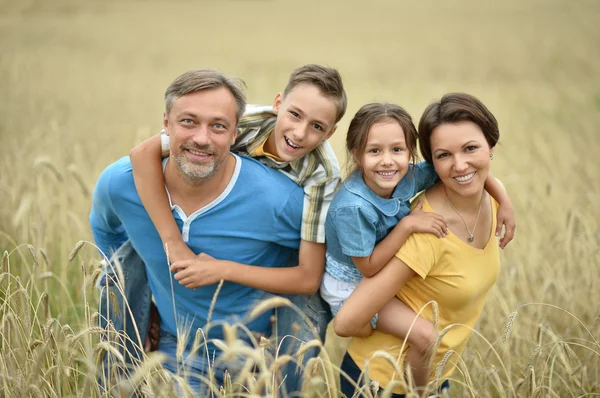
x,y
505,214
150,184
370,296
416,221
304,278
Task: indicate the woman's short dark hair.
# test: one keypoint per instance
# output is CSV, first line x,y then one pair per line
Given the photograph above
x,y
453,108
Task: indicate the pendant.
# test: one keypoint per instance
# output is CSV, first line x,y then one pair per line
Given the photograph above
x,y
470,238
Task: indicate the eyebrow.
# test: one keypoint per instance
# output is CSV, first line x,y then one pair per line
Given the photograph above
x,y
464,145
195,116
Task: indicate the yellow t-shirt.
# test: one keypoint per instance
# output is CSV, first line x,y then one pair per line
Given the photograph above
x,y
260,151
452,273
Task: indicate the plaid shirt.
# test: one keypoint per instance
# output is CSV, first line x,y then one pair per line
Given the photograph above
x,y
318,172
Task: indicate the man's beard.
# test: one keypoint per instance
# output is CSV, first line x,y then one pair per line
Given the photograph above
x,y
196,173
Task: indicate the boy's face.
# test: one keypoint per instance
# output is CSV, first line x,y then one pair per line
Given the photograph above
x,y
305,118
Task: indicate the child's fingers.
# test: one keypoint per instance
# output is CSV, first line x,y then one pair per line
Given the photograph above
x,y
499,224
179,265
509,234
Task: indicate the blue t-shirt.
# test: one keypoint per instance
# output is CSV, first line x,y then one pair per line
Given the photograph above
x,y
255,221
358,218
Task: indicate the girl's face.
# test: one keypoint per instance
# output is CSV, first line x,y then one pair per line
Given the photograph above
x,y
461,157
385,159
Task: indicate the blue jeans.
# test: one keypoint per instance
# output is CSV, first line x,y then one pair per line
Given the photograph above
x,y
354,372
137,294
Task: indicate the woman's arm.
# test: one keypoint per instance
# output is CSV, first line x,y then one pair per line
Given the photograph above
x,y
370,296
304,278
150,184
416,221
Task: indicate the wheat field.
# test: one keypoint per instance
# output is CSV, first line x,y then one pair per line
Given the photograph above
x,y
81,82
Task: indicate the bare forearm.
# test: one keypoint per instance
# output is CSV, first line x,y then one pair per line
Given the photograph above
x,y
495,189
150,184
385,250
286,280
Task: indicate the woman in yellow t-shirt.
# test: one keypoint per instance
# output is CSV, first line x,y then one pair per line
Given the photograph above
x,y
458,135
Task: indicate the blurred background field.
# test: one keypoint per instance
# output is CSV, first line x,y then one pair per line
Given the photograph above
x,y
82,81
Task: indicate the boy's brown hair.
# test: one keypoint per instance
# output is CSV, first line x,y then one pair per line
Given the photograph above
x,y
453,108
327,79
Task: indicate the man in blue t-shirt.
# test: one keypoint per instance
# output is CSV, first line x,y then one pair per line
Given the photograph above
x,y
230,207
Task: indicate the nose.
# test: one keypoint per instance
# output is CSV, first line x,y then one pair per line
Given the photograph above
x,y
201,135
460,164
299,133
386,158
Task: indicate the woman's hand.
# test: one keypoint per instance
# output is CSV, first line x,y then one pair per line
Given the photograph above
x,y
506,218
422,221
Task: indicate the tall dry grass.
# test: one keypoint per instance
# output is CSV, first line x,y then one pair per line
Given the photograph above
x,y
82,82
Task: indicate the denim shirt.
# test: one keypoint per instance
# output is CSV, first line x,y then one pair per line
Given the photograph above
x,y
358,218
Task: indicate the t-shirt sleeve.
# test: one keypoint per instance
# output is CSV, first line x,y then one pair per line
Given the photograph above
x,y
418,254
288,221
425,176
108,231
355,230
165,144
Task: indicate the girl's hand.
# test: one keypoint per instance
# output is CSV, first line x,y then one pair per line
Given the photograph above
x,y
422,221
506,218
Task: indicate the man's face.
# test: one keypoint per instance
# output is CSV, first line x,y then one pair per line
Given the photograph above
x,y
202,127
305,118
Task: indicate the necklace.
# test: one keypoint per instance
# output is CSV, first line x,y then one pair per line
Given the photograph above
x,y
471,233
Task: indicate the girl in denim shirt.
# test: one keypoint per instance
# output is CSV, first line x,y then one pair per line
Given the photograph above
x,y
370,219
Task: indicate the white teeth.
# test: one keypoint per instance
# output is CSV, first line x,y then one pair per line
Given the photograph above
x,y
465,178
386,173
198,153
287,140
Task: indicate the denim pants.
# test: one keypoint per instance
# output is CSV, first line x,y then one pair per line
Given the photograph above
x,y
354,372
292,328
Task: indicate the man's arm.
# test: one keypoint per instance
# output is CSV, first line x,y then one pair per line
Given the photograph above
x,y
107,229
304,278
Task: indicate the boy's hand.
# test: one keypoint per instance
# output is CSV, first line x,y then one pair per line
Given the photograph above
x,y
203,270
506,218
422,221
178,250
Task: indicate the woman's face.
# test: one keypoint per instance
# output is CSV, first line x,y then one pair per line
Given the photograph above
x,y
461,157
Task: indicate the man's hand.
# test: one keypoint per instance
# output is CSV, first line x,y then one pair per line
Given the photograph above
x,y
203,270
178,250
153,333
506,218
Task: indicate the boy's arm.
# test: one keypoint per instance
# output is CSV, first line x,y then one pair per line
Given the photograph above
x,y
505,214
304,278
150,184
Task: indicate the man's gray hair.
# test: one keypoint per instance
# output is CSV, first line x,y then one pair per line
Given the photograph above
x,y
206,79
